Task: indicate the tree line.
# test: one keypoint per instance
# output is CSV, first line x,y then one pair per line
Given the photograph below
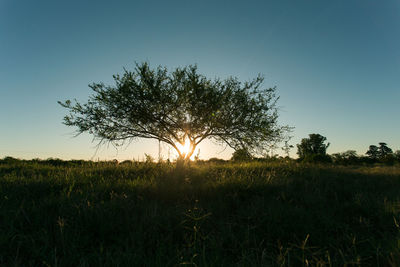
x,y
310,150
313,149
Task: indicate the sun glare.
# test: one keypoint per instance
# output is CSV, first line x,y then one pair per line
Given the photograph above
x,y
184,149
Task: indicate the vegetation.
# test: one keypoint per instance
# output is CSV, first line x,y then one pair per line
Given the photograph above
x,y
78,213
313,149
382,153
181,107
241,155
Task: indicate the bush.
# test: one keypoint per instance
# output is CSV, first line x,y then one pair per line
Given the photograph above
x,y
317,158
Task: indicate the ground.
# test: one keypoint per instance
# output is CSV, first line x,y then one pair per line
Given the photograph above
x,y
206,214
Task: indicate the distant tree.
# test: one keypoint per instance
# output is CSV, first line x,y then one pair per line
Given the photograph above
x,y
313,148
177,107
9,160
384,150
127,162
287,147
347,157
241,155
373,152
148,158
381,153
216,160
350,154
397,155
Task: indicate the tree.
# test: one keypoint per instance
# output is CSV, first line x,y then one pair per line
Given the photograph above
x,y
373,152
382,153
347,157
177,107
314,145
241,155
287,147
384,150
397,154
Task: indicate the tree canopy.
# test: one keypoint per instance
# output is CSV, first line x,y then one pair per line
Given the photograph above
x,y
380,152
384,150
177,107
313,146
241,155
373,152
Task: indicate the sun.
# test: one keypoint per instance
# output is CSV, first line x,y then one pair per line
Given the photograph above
x,y
184,149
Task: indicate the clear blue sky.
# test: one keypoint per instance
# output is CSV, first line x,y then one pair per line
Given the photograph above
x,y
336,64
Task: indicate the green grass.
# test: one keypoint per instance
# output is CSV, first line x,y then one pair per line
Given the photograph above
x,y
229,214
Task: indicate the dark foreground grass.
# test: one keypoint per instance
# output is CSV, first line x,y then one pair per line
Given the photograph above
x,y
253,214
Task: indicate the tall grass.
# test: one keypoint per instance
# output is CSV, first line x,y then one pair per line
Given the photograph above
x,y
210,214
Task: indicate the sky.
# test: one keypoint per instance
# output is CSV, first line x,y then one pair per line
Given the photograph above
x,y
336,65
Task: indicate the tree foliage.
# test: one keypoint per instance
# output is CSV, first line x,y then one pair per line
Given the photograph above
x,y
384,150
396,154
345,158
241,155
373,152
314,146
177,106
381,152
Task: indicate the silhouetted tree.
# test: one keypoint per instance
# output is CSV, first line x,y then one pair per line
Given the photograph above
x,y
396,154
216,160
384,150
9,160
287,147
373,152
350,154
382,153
347,157
241,155
314,146
177,106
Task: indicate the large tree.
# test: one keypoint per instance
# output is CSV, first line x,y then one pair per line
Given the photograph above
x,y
177,107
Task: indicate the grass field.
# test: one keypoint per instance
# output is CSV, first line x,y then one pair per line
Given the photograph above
x,y
208,214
